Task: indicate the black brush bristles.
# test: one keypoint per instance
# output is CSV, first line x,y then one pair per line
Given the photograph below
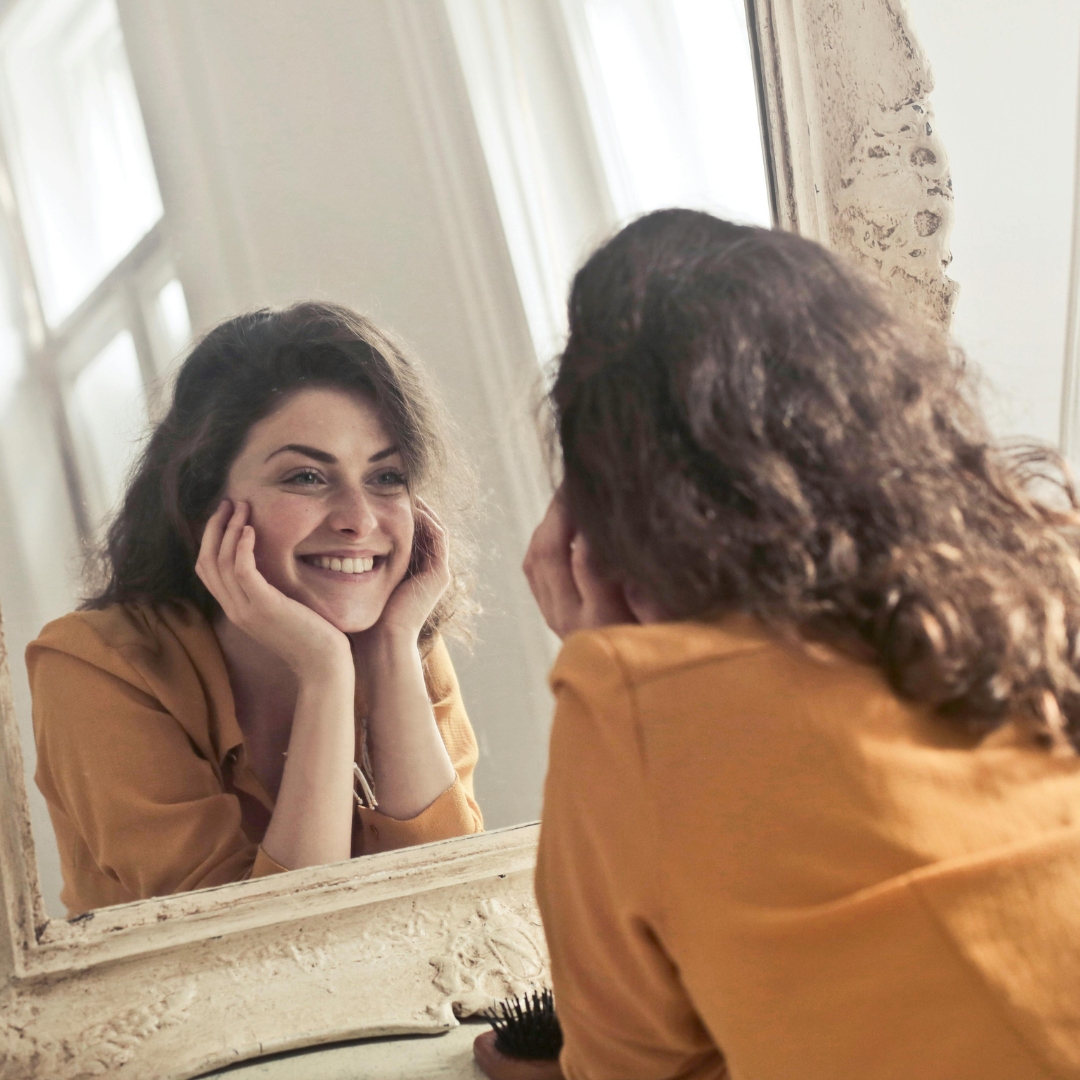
x,y
527,1027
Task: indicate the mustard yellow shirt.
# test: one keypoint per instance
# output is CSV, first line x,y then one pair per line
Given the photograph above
x,y
754,856
142,761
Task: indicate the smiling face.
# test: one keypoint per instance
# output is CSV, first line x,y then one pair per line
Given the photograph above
x,y
330,505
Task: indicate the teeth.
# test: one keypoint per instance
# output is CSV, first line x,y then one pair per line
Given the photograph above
x,y
344,566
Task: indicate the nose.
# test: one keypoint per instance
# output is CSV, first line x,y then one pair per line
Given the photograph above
x,y
352,514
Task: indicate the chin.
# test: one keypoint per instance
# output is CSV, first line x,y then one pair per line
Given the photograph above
x,y
349,622
354,626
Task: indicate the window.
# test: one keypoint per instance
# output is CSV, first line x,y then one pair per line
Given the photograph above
x,y
593,111
103,311
670,90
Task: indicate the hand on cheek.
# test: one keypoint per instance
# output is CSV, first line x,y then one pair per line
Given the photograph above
x,y
303,640
416,595
570,594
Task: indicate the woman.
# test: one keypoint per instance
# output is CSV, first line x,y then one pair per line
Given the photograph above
x,y
263,666
818,815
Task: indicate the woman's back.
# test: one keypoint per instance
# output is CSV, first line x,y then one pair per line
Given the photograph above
x,y
855,889
848,866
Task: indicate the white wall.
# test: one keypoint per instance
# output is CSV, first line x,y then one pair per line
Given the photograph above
x,y
1005,101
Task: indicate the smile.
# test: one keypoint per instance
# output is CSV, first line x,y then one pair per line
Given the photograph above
x,y
341,566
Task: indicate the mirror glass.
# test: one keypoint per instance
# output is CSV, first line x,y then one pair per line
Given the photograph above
x,y
441,167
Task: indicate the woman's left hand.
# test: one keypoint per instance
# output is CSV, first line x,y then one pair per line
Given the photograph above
x,y
410,760
570,594
414,599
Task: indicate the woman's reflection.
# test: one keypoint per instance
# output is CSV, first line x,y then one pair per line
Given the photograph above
x,y
263,666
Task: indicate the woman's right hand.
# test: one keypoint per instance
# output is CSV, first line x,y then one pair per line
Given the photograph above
x,y
300,637
569,593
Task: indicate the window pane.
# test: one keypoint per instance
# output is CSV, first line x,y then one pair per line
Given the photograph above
x,y
78,148
12,345
671,91
172,316
110,406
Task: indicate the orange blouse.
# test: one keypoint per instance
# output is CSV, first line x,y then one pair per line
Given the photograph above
x,y
143,765
757,860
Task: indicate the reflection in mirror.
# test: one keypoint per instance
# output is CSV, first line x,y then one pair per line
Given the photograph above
x,y
170,163
593,111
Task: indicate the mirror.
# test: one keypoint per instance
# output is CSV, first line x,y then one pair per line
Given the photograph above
x,y
171,163
450,203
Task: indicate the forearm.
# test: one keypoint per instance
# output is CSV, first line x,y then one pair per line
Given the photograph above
x,y
408,756
312,820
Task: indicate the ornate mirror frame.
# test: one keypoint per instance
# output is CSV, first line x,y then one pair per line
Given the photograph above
x,y
396,942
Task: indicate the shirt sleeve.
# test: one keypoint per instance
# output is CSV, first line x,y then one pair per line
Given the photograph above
x,y
624,1012
148,806
455,812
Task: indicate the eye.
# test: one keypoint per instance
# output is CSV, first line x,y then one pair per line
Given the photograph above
x,y
305,478
390,478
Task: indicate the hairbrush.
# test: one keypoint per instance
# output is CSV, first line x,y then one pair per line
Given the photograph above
x,y
527,1027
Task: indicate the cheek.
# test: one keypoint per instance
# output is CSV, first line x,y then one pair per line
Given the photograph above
x,y
400,525
280,524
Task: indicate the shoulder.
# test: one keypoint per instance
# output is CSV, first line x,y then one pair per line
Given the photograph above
x,y
119,637
635,656
97,671
732,683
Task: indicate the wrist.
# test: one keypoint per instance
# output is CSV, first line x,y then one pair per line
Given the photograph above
x,y
386,643
382,660
331,664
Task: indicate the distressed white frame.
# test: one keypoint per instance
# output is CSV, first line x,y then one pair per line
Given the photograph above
x,y
390,943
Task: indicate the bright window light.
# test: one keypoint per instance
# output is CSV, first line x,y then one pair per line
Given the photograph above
x,y
172,314
12,346
110,406
670,86
77,145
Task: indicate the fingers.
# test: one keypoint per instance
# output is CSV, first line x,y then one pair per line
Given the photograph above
x,y
299,636
245,572
571,595
431,541
217,565
206,565
226,556
547,567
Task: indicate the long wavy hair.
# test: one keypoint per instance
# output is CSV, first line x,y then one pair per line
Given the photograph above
x,y
239,373
747,424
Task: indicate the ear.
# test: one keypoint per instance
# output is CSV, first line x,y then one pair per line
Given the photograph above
x,y
644,609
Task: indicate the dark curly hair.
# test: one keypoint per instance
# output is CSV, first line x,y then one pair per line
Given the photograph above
x,y
239,373
747,425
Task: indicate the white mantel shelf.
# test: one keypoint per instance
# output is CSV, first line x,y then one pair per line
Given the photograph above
x,y
414,1057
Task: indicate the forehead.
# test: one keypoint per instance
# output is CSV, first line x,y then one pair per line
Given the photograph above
x,y
343,423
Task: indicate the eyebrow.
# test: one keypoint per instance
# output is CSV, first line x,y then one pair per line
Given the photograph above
x,y
323,456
